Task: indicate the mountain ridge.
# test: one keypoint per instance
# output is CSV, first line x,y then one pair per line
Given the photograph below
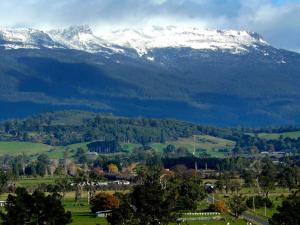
x,y
141,40
257,84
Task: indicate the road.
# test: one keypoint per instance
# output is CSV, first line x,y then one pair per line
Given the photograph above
x,y
253,218
248,216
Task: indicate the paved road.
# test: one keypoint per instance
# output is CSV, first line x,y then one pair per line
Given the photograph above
x,y
254,218
248,216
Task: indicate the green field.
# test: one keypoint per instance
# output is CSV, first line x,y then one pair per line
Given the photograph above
x,y
81,215
294,134
209,143
28,148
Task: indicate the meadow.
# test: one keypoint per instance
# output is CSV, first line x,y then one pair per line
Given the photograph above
x,y
28,148
209,144
294,135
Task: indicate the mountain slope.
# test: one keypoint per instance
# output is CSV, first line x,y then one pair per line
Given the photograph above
x,y
215,77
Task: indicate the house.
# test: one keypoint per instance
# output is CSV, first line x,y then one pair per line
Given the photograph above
x,y
209,188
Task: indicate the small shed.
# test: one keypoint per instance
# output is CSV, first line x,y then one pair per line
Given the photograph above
x,y
2,203
103,213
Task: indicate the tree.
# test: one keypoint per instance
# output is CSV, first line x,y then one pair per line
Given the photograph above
x,y
104,201
237,205
219,206
151,202
63,185
190,193
24,208
288,177
288,212
235,186
42,165
79,181
112,168
219,185
81,156
4,179
259,201
267,177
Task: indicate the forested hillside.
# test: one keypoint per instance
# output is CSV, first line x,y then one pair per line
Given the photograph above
x,y
69,127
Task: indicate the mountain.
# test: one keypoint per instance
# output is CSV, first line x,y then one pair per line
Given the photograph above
x,y
219,77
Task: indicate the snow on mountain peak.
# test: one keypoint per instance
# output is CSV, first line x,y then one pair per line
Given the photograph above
x,y
142,40
25,38
153,37
81,38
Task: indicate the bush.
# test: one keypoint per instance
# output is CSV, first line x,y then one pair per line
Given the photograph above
x,y
219,206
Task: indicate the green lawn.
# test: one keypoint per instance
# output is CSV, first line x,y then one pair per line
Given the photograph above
x,y
81,215
28,148
294,134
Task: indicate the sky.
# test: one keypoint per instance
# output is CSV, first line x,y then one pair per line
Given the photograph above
x,y
278,21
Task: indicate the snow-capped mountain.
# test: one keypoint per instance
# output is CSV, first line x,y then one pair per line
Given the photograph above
x,y
82,38
207,76
141,40
26,38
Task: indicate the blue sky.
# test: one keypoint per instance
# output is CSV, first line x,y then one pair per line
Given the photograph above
x,y
278,21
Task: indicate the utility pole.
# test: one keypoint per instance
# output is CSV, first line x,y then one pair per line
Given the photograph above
x,y
265,209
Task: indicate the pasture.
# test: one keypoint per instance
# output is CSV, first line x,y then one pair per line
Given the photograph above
x,y
209,144
294,135
16,148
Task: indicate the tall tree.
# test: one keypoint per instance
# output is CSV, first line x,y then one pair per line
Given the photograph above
x,y
288,212
152,202
36,209
4,179
237,205
42,165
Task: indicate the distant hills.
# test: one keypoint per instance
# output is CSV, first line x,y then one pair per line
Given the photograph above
x,y
204,76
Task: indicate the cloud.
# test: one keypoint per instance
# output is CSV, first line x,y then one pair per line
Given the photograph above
x,y
277,20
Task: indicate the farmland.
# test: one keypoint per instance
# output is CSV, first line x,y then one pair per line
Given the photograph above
x,y
15,148
293,135
208,143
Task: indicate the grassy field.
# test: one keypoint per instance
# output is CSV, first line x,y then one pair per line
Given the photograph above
x,y
209,143
28,148
294,134
81,215
277,200
29,182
